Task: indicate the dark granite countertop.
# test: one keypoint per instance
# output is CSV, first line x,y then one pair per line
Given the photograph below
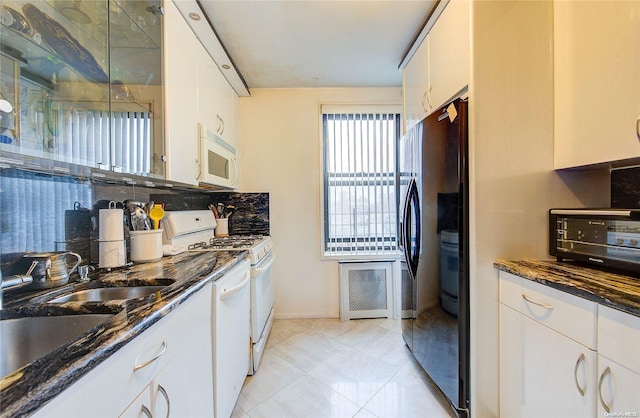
x,y
28,389
614,290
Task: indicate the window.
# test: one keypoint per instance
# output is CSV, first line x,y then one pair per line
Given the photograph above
x,y
360,182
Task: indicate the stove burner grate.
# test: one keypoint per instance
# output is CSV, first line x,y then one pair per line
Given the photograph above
x,y
231,242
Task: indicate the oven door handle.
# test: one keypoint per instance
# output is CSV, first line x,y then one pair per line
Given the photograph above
x,y
267,264
235,289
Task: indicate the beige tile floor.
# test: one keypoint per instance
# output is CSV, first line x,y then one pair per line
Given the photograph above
x,y
328,368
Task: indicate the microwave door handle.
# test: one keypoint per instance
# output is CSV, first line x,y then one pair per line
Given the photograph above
x,y
233,166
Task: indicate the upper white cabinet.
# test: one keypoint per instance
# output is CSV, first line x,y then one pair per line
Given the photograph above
x,y
416,86
449,53
196,93
217,101
597,81
181,97
439,68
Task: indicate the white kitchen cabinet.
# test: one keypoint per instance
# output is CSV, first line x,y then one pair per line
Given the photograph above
x,y
440,66
175,352
449,54
543,371
191,369
140,407
181,97
228,111
208,96
618,389
597,82
416,86
618,362
217,101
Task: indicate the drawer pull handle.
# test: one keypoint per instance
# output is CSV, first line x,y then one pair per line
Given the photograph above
x,y
581,359
146,411
537,303
148,362
164,393
604,374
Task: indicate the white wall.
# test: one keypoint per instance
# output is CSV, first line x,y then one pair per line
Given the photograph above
x,y
511,146
280,154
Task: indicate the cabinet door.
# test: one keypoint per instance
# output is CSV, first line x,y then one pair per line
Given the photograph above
x,y
618,389
181,97
185,387
216,104
226,109
542,372
416,84
597,81
449,53
208,96
140,407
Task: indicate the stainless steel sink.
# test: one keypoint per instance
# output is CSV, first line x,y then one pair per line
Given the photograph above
x,y
24,340
108,293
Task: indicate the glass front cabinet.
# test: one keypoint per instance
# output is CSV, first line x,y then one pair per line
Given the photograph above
x,y
81,82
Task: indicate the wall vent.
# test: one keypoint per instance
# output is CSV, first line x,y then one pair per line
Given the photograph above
x,y
366,289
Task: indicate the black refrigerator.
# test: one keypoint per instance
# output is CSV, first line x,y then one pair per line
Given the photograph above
x,y
434,237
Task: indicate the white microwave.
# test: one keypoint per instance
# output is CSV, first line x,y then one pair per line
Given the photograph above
x,y
218,160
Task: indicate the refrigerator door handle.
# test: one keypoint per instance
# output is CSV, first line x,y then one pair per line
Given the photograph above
x,y
411,253
417,229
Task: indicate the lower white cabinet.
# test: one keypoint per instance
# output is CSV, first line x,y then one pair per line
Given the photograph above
x,y
542,372
618,389
167,366
547,351
618,363
140,407
550,362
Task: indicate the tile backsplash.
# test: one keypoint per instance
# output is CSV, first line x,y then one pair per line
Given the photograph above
x,y
625,188
44,212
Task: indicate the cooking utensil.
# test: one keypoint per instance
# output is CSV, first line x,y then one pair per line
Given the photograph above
x,y
51,268
148,206
156,213
221,210
214,210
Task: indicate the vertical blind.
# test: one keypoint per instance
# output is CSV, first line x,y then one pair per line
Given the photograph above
x,y
33,208
120,139
360,183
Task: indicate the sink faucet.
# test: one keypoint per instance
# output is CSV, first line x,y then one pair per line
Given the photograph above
x,y
15,282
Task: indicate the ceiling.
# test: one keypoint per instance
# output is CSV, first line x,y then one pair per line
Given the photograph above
x,y
310,43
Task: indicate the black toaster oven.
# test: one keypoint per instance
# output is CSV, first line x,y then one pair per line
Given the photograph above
x,y
609,238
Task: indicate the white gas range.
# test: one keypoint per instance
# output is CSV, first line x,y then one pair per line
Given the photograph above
x,y
194,231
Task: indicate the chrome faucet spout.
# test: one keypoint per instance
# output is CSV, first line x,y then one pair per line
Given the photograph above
x,y
15,282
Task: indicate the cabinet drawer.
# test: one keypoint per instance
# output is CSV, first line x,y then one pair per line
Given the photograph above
x,y
619,337
569,315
